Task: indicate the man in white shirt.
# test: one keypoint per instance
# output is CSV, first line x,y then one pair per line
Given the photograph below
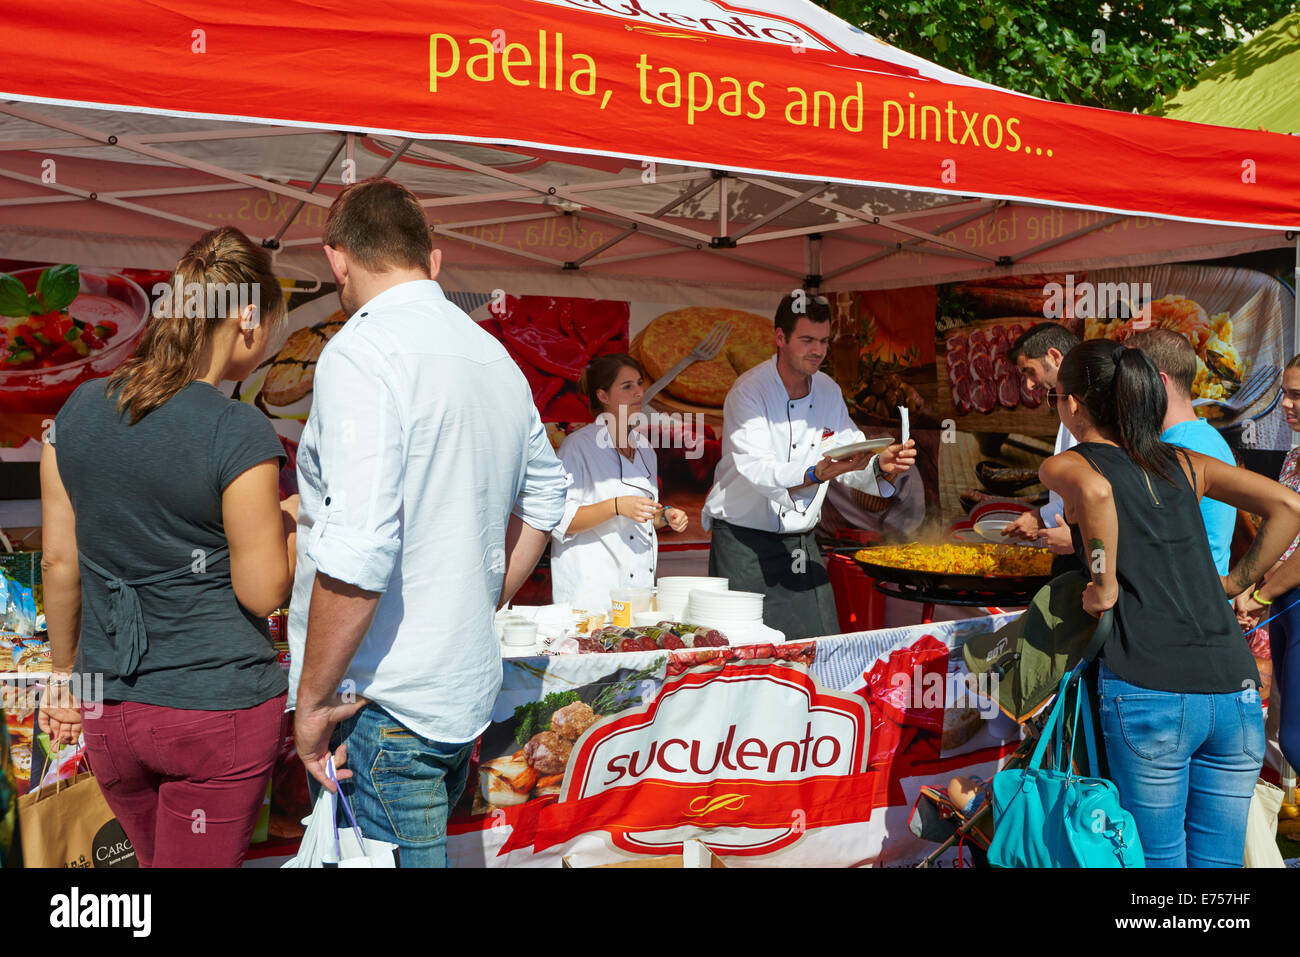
x,y
429,489
778,420
1038,354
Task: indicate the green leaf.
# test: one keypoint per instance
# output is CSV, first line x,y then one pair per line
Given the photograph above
x,y
13,297
57,287
986,22
535,716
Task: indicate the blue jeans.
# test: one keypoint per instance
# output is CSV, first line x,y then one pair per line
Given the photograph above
x,y
1185,766
403,786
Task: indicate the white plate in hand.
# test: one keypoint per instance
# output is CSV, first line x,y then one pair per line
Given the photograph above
x,y
991,530
857,448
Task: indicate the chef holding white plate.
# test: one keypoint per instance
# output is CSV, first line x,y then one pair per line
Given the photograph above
x,y
780,420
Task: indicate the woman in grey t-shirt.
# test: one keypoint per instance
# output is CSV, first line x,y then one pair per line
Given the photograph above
x,y
165,548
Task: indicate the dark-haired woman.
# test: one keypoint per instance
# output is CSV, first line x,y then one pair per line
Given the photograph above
x,y
165,548
606,538
1180,709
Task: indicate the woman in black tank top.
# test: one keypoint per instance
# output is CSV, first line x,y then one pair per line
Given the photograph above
x,y
1180,709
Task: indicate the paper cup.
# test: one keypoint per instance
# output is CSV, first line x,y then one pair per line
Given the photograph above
x,y
520,634
643,599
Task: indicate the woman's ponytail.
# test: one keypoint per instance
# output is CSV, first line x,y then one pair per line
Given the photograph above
x,y
1122,391
1140,405
167,359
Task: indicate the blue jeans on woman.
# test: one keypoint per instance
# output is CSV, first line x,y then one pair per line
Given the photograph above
x,y
1283,639
1186,767
403,786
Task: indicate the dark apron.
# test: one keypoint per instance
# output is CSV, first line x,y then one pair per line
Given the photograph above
x,y
787,570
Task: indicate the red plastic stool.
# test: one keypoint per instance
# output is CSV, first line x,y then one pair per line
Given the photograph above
x,y
859,606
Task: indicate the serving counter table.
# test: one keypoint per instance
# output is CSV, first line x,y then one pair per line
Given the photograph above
x,y
769,754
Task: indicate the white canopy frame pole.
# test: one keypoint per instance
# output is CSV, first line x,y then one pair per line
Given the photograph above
x,y
886,221
688,246
274,241
661,211
894,248
179,136
1068,237
813,247
798,200
563,192
134,145
723,199
107,198
534,192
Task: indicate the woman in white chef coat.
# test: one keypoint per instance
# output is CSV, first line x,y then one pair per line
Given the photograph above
x,y
606,538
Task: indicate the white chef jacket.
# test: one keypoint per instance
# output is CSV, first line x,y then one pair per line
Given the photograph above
x,y
422,440
1055,504
620,552
769,441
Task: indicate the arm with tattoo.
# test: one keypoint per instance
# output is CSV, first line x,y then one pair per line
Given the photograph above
x,y
1251,568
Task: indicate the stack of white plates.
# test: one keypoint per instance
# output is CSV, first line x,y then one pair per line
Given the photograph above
x,y
675,591
717,609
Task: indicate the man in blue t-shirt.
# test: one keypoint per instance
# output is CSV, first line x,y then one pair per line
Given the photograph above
x,y
1176,361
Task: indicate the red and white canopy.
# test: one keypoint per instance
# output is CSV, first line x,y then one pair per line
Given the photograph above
x,y
596,147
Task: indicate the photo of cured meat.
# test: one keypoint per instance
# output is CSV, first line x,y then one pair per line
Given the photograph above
x,y
977,377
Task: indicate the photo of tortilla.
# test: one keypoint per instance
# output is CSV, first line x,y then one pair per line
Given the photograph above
x,y
670,337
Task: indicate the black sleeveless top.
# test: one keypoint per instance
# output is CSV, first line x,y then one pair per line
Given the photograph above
x,y
1174,628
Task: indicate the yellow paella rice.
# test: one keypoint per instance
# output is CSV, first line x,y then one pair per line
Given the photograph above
x,y
962,559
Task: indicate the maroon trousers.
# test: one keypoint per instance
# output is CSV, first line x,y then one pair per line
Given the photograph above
x,y
186,786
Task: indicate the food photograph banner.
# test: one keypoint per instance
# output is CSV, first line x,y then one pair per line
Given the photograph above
x,y
801,754
1238,321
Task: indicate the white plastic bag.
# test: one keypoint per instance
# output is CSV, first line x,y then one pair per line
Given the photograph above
x,y
325,844
1261,827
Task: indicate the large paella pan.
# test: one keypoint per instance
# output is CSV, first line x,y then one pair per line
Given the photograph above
x,y
982,569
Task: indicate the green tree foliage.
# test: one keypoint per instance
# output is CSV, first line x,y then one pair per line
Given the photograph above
x,y
1120,55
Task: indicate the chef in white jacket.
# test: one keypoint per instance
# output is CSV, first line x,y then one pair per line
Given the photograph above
x,y
607,537
778,420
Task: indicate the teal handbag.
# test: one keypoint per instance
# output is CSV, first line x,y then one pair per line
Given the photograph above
x,y
1053,817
